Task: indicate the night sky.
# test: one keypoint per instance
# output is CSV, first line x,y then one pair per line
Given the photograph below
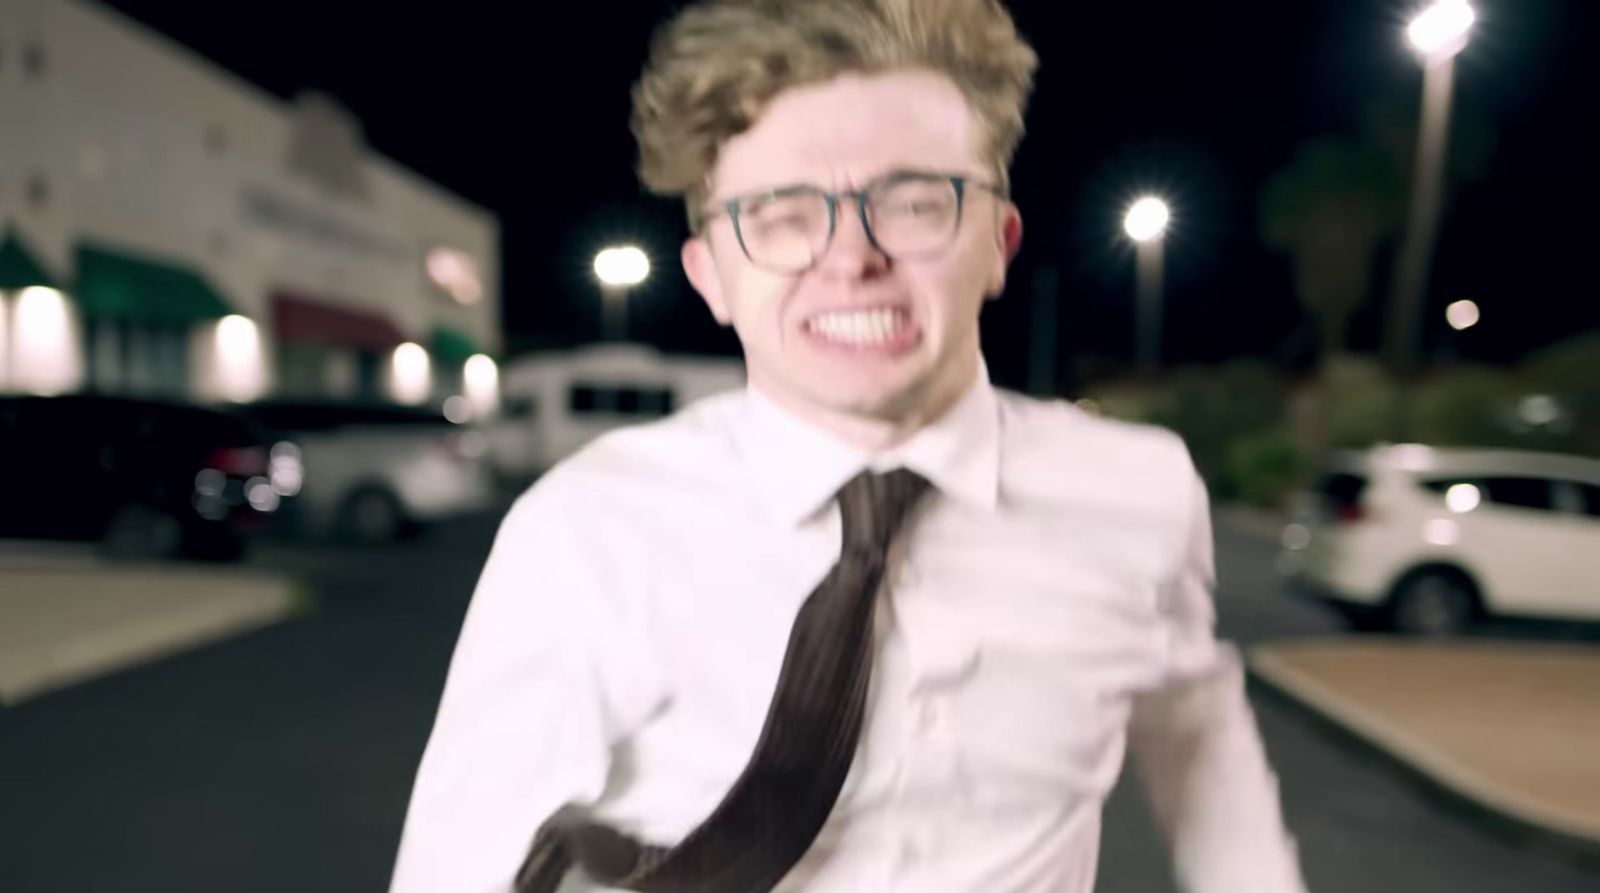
x,y
523,108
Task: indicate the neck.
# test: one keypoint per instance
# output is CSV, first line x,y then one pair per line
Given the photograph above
x,y
885,427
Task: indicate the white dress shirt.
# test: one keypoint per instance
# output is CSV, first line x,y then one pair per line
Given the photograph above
x,y
1052,607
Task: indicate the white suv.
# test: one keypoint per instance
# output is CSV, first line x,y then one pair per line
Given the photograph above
x,y
1428,540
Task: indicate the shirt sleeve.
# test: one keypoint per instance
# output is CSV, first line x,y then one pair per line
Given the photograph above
x,y
546,675
1196,745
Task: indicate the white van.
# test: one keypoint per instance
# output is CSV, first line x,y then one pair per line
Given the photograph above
x,y
553,404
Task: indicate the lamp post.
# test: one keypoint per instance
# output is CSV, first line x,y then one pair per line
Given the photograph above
x,y
1436,34
619,269
1146,224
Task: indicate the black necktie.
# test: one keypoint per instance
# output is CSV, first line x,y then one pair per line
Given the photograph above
x,y
771,815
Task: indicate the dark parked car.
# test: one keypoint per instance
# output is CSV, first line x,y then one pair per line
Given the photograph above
x,y
146,479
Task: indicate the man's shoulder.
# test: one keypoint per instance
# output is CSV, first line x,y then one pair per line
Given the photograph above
x,y
1059,431
1060,458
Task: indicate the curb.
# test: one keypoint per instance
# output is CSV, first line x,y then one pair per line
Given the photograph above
x,y
1438,772
87,620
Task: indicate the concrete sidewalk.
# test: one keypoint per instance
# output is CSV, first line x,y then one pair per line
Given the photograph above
x,y
66,619
1512,727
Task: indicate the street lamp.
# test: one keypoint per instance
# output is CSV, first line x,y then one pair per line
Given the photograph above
x,y
1146,224
619,269
1147,219
1440,31
1437,33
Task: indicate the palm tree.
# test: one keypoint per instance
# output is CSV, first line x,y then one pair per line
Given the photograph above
x,y
1331,209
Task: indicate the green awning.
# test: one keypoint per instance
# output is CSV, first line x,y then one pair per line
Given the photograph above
x,y
453,345
118,285
18,268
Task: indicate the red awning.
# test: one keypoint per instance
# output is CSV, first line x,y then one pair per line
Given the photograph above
x,y
302,319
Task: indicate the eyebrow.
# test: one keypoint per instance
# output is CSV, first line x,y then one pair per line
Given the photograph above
x,y
886,176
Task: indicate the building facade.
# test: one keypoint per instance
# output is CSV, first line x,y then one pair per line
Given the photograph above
x,y
169,230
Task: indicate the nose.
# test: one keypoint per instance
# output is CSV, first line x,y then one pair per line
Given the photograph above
x,y
852,255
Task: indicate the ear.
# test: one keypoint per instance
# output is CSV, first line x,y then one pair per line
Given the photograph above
x,y
1008,239
701,267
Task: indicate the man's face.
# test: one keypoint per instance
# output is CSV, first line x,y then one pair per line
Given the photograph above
x,y
858,332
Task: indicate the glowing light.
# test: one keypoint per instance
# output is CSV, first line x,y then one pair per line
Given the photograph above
x,y
235,333
481,378
45,353
1461,315
626,265
457,409
240,374
285,472
1462,498
410,373
259,493
1440,31
1147,219
5,340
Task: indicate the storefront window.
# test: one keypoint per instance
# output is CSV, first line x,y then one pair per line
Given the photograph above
x,y
132,358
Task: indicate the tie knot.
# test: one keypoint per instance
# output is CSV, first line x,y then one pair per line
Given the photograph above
x,y
874,506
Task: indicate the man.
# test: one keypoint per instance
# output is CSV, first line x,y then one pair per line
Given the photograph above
x,y
651,639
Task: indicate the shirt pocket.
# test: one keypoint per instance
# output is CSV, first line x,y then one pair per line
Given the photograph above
x,y
1042,712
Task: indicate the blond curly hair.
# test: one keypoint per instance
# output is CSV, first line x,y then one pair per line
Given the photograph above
x,y
714,67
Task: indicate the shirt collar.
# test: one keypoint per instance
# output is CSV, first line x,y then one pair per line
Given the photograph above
x,y
798,467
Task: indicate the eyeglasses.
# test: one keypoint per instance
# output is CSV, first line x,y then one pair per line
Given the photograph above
x,y
905,215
